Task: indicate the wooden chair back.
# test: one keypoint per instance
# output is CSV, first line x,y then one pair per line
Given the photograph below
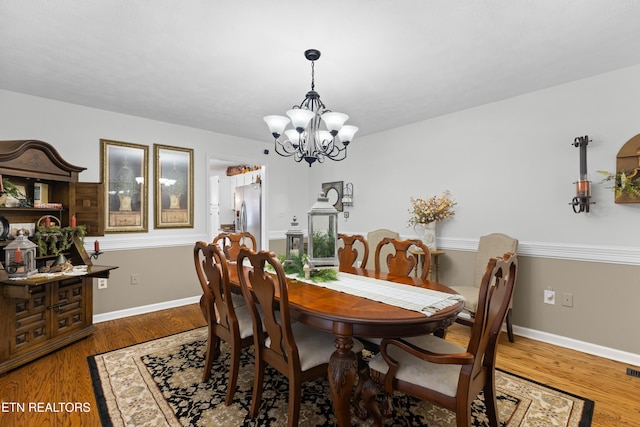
x,y
260,289
232,242
348,254
218,308
400,262
276,344
477,365
374,237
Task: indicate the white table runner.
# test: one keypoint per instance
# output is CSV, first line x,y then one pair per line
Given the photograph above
x,y
422,300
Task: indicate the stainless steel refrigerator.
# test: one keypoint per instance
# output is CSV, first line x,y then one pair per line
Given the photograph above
x,y
247,203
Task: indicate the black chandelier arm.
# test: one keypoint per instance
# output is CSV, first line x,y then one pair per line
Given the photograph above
x,y
282,149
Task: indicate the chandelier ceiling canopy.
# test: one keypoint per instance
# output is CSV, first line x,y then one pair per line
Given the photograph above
x,y
317,133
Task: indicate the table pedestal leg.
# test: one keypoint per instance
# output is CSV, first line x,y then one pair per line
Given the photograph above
x,y
342,376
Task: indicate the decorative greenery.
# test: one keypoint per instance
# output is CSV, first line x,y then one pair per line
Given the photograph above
x,y
296,266
434,209
12,190
622,184
125,183
324,244
178,187
54,239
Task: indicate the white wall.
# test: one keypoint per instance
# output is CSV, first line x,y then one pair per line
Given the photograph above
x,y
510,165
76,131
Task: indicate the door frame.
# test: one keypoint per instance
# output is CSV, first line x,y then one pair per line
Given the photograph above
x,y
232,160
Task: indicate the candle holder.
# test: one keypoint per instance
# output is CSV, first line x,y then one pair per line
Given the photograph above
x,y
581,202
96,254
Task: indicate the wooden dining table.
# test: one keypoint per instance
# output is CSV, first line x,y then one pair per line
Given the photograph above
x,y
348,316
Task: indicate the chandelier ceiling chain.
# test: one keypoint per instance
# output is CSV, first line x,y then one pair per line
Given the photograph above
x,y
308,139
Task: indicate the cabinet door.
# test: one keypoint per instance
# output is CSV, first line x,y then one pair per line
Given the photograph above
x,y
27,320
86,201
68,306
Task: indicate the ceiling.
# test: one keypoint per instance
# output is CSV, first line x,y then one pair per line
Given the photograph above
x,y
223,65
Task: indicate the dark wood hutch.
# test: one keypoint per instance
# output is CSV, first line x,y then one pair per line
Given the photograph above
x,y
40,315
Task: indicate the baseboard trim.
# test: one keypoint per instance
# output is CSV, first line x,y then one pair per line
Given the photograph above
x,y
581,346
118,314
570,343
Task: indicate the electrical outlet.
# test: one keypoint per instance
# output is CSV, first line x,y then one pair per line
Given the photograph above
x,y
346,214
102,283
567,300
135,279
549,296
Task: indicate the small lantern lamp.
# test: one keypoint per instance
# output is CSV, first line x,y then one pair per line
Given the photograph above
x,y
20,257
323,234
295,241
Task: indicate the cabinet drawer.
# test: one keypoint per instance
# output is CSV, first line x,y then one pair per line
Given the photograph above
x,y
20,291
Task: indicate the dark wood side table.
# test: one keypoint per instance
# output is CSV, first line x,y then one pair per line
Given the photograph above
x,y
435,265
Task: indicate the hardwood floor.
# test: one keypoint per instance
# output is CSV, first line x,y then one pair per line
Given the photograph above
x,y
63,377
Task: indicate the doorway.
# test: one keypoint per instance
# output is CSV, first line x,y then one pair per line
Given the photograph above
x,y
228,182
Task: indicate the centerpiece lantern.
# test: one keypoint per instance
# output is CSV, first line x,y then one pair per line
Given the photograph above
x,y
295,241
20,257
323,234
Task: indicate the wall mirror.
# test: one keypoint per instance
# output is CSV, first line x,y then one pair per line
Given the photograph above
x,y
173,190
125,177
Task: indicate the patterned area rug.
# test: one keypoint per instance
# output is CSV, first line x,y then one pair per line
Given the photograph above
x,y
158,383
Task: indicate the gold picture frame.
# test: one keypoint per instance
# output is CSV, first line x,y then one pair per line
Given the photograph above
x,y
173,186
125,178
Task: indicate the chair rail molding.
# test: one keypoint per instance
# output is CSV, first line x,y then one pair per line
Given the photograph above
x,y
626,255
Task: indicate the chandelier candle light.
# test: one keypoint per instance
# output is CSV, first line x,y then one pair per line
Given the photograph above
x,y
308,140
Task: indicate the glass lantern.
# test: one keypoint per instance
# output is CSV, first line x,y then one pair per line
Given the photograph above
x,y
20,257
295,241
323,234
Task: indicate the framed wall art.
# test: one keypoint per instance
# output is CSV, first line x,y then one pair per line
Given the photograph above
x,y
125,177
173,186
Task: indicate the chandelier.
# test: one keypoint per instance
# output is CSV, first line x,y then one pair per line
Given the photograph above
x,y
308,139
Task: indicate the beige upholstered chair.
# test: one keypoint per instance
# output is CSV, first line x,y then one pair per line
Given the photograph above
x,y
433,369
353,246
374,237
489,246
226,319
297,351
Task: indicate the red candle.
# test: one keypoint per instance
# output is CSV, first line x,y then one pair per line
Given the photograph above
x,y
47,221
17,256
73,221
96,246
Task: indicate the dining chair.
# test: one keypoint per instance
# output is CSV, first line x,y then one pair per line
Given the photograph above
x,y
299,352
232,242
348,254
398,261
489,246
433,369
226,320
374,237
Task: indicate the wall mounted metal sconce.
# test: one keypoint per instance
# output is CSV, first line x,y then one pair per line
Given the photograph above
x,y
581,202
347,195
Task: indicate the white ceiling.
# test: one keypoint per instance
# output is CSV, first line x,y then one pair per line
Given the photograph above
x,y
223,65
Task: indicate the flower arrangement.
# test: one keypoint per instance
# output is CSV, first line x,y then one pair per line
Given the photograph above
x,y
432,210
